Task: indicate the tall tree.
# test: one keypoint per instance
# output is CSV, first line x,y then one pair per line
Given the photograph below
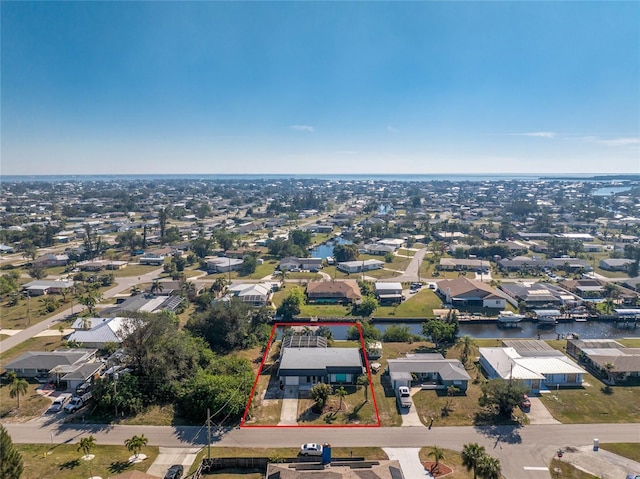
x,y
438,454
86,444
341,392
466,344
489,467
135,444
471,455
11,465
363,381
17,388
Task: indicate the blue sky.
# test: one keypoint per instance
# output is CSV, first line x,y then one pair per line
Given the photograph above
x,y
315,87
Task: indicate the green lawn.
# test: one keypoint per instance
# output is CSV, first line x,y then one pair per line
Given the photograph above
x,y
451,459
28,312
628,450
419,305
593,404
560,468
31,404
63,461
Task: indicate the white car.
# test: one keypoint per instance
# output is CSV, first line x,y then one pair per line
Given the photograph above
x,y
311,449
59,402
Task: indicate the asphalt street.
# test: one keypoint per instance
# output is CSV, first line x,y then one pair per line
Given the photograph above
x,y
524,452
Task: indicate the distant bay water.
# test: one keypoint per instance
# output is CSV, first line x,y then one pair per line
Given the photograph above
x,y
327,177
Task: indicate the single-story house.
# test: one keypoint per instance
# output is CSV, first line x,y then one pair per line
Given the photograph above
x,y
465,291
388,292
616,264
51,260
147,303
455,264
335,292
40,363
47,286
152,259
597,353
4,249
364,470
97,332
305,367
291,262
379,249
428,369
223,265
360,266
539,368
254,294
537,295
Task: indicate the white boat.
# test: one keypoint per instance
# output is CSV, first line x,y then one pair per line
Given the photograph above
x,y
509,317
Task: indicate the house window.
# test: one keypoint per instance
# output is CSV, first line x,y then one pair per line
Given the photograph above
x,y
341,378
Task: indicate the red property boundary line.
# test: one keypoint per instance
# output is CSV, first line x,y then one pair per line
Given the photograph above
x,y
264,358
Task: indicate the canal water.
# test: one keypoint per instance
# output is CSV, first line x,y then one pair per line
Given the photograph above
x,y
326,249
585,330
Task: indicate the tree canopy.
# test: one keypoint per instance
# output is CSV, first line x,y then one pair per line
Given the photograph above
x,y
502,395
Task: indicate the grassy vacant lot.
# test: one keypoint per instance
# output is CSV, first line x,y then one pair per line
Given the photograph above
x,y
419,305
63,461
594,404
19,316
625,449
31,404
563,469
134,269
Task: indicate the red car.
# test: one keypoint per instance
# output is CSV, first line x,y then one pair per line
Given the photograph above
x,y
526,402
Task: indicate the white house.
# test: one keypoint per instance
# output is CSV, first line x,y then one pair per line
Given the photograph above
x,y
539,370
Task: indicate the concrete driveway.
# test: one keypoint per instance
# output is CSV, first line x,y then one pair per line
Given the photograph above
x,y
410,417
539,414
168,456
409,461
289,411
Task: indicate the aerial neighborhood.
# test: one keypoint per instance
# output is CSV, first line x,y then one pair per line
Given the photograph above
x,y
322,303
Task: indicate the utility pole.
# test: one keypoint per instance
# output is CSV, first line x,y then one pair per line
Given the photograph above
x,y
28,308
115,393
208,434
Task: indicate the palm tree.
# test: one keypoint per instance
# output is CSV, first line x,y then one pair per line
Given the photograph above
x,y
466,343
135,444
341,393
363,380
17,387
489,467
438,455
218,286
471,456
86,444
156,287
609,367
135,290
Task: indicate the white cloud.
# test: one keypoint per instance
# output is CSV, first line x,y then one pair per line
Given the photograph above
x,y
614,142
537,134
306,128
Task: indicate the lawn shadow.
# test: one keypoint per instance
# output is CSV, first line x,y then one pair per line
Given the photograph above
x,y
70,464
501,434
119,466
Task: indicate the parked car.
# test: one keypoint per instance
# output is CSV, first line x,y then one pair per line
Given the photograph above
x,y
174,472
311,449
404,397
59,402
526,402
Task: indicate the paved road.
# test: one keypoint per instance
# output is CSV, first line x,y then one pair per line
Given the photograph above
x,y
122,284
411,273
523,452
